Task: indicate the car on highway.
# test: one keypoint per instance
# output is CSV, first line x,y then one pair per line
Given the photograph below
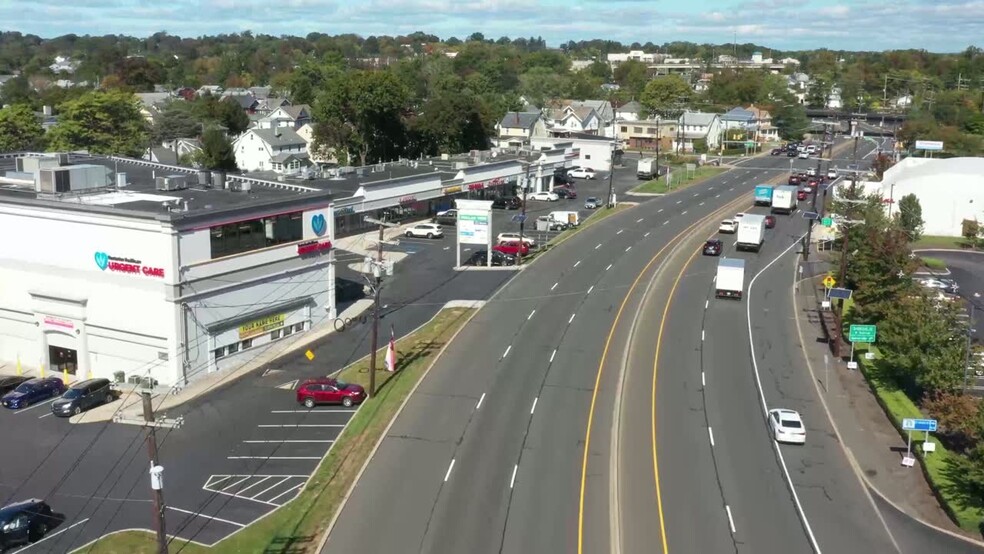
x,y
565,192
480,258
505,237
427,230
776,151
544,196
328,390
25,522
713,247
592,203
770,221
793,180
33,391
10,382
729,226
791,153
804,155
811,172
512,247
507,203
787,426
801,195
831,173
582,173
82,396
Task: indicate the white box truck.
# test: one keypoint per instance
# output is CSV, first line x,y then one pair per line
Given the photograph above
x,y
646,169
784,200
730,280
751,232
571,219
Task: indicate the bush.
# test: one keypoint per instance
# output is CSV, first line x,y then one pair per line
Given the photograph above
x,y
957,417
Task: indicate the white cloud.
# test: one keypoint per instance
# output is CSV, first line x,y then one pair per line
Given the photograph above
x,y
835,11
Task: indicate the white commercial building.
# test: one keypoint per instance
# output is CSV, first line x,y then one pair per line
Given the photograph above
x,y
949,191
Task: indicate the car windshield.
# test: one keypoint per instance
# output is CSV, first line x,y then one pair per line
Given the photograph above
x,y
791,424
24,387
341,384
72,393
592,199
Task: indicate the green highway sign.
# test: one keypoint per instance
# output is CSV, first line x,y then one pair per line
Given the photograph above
x,y
827,222
750,144
862,333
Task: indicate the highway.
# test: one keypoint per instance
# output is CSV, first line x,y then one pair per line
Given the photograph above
x,y
510,442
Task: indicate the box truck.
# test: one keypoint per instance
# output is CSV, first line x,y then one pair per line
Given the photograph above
x,y
647,169
571,219
730,280
784,200
751,232
763,195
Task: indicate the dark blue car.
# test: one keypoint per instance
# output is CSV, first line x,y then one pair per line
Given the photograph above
x,y
32,392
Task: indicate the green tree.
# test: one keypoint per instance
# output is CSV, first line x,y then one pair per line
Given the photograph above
x,y
451,123
225,112
910,216
18,91
632,77
791,121
666,95
101,122
970,229
216,152
878,270
20,129
175,120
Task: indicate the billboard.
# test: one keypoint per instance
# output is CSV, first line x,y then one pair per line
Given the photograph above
x,y
931,145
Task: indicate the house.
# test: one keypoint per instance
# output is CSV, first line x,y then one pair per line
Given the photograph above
x,y
63,64
572,119
617,59
279,149
270,103
294,117
798,85
763,129
703,83
322,156
697,126
214,90
630,111
261,93
520,127
648,134
161,155
246,101
184,146
737,118
151,104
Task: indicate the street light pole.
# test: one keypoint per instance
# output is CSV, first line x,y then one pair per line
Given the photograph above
x,y
611,176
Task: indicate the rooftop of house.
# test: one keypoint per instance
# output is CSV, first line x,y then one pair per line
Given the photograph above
x,y
630,107
700,119
519,120
738,114
280,136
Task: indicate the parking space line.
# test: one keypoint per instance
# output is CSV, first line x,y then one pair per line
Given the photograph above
x,y
209,483
246,478
273,457
29,408
287,441
53,535
268,489
288,491
254,484
203,516
49,414
295,425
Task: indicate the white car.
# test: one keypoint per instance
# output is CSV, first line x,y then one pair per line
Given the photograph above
x,y
514,237
804,155
592,203
787,426
582,173
728,226
811,148
933,284
811,172
428,230
739,215
831,173
545,196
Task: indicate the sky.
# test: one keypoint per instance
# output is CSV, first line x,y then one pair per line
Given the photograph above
x,y
938,26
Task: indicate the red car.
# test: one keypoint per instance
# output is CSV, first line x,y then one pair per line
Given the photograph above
x,y
770,221
326,390
794,180
512,248
801,195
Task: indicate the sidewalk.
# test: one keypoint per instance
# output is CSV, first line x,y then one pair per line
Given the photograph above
x,y
873,445
364,244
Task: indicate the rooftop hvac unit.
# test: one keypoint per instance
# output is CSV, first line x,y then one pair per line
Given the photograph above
x,y
172,182
219,180
460,165
246,186
121,180
204,178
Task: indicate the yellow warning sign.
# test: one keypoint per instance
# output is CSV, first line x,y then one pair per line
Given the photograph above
x,y
310,355
829,281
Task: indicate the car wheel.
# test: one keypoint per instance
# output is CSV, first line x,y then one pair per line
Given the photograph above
x,y
108,399
347,402
308,403
77,410
430,235
409,234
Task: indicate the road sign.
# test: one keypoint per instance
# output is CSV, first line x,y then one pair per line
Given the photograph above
x,y
309,355
829,281
839,293
827,222
912,424
811,215
862,333
931,145
519,218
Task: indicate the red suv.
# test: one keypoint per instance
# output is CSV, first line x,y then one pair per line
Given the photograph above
x,y
801,195
326,390
512,248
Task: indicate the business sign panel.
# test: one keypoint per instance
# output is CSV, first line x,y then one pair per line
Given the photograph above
x,y
261,326
931,145
473,226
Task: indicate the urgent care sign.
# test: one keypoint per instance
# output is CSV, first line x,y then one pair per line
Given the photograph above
x,y
129,266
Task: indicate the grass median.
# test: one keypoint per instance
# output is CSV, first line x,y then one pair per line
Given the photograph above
x,y
931,242
935,264
297,527
679,180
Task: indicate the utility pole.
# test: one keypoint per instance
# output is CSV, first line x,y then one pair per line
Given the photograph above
x,y
813,204
156,473
377,267
611,178
522,219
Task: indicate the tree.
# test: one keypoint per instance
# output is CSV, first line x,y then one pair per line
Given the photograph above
x,y
20,129
102,122
18,91
910,216
880,164
632,77
666,95
175,120
791,121
879,270
216,152
226,112
970,229
957,416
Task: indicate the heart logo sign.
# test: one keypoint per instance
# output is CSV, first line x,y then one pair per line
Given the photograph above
x,y
318,224
102,260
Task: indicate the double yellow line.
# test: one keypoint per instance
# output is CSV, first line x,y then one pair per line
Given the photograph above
x,y
672,243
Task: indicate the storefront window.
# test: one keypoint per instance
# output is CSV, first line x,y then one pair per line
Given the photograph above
x,y
244,236
298,327
276,334
233,348
248,343
219,353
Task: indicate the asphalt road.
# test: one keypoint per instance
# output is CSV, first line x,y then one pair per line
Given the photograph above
x,y
487,456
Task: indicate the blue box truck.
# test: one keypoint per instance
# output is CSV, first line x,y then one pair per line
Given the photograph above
x,y
763,195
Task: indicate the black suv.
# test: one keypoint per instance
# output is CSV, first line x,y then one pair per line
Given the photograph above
x,y
24,522
507,203
81,396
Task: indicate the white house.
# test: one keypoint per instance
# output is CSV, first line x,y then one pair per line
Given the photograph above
x,y
573,119
294,117
279,149
695,126
520,127
629,112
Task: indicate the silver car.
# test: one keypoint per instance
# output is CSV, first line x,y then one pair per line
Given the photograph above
x,y
591,203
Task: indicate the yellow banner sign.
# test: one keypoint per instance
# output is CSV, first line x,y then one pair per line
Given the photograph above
x,y
260,326
452,190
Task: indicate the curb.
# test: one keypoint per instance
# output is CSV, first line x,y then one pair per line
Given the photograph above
x,y
956,250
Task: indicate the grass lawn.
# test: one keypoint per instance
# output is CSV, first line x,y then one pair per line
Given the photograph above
x,y
297,527
956,243
658,185
945,475
933,263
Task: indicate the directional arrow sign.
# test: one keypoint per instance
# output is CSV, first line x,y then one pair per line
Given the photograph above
x,y
519,218
911,424
811,215
862,333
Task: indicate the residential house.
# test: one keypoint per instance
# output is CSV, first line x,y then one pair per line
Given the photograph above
x,y
246,101
603,108
630,111
271,103
279,149
569,119
737,118
703,83
214,90
648,134
237,91
261,93
320,156
286,116
161,155
517,128
151,104
698,126
763,128
184,146
798,85
63,64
